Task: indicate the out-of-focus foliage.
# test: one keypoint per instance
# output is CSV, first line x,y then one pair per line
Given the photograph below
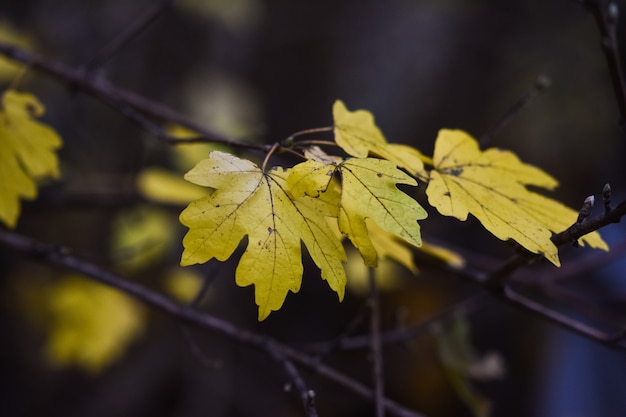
x,y
183,284
462,364
236,14
141,237
9,34
27,152
89,325
164,186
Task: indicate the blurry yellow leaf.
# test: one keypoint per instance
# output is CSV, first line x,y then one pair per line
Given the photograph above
x,y
491,185
388,274
250,202
166,187
183,284
27,152
368,191
391,251
9,69
358,135
389,246
90,325
451,258
235,14
141,237
186,155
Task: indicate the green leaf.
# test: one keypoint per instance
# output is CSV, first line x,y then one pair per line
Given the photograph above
x,y
249,202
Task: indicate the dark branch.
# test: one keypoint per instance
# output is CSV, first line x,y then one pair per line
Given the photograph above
x,y
606,19
541,84
307,396
59,256
132,105
126,36
376,345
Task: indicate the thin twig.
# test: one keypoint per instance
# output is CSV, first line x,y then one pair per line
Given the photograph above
x,y
541,84
376,345
606,16
194,347
127,35
307,396
497,278
59,256
402,334
310,131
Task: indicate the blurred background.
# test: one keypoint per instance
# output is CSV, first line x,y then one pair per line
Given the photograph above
x,y
259,71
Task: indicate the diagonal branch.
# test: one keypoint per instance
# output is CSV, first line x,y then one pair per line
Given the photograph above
x,y
132,105
606,16
59,256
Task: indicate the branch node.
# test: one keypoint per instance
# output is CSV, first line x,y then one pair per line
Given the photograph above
x,y
543,82
606,198
585,211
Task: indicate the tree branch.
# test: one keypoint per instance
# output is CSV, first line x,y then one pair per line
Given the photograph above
x,y
58,255
376,345
606,19
130,104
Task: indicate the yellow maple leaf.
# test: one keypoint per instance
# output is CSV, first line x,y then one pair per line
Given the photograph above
x,y
357,134
368,191
89,325
27,152
491,185
253,203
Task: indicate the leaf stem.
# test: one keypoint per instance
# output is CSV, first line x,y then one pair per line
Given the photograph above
x,y
312,142
309,131
269,154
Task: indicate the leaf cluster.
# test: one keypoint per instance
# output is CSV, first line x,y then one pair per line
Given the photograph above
x,y
319,201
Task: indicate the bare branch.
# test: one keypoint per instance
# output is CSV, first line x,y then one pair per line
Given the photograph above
x,y
131,105
606,16
127,35
376,345
59,256
541,84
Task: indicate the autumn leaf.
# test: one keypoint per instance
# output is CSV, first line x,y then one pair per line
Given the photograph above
x,y
27,152
164,186
368,191
357,134
250,202
141,237
12,35
89,325
491,185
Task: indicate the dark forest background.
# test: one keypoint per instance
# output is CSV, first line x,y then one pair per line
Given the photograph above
x,y
261,70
